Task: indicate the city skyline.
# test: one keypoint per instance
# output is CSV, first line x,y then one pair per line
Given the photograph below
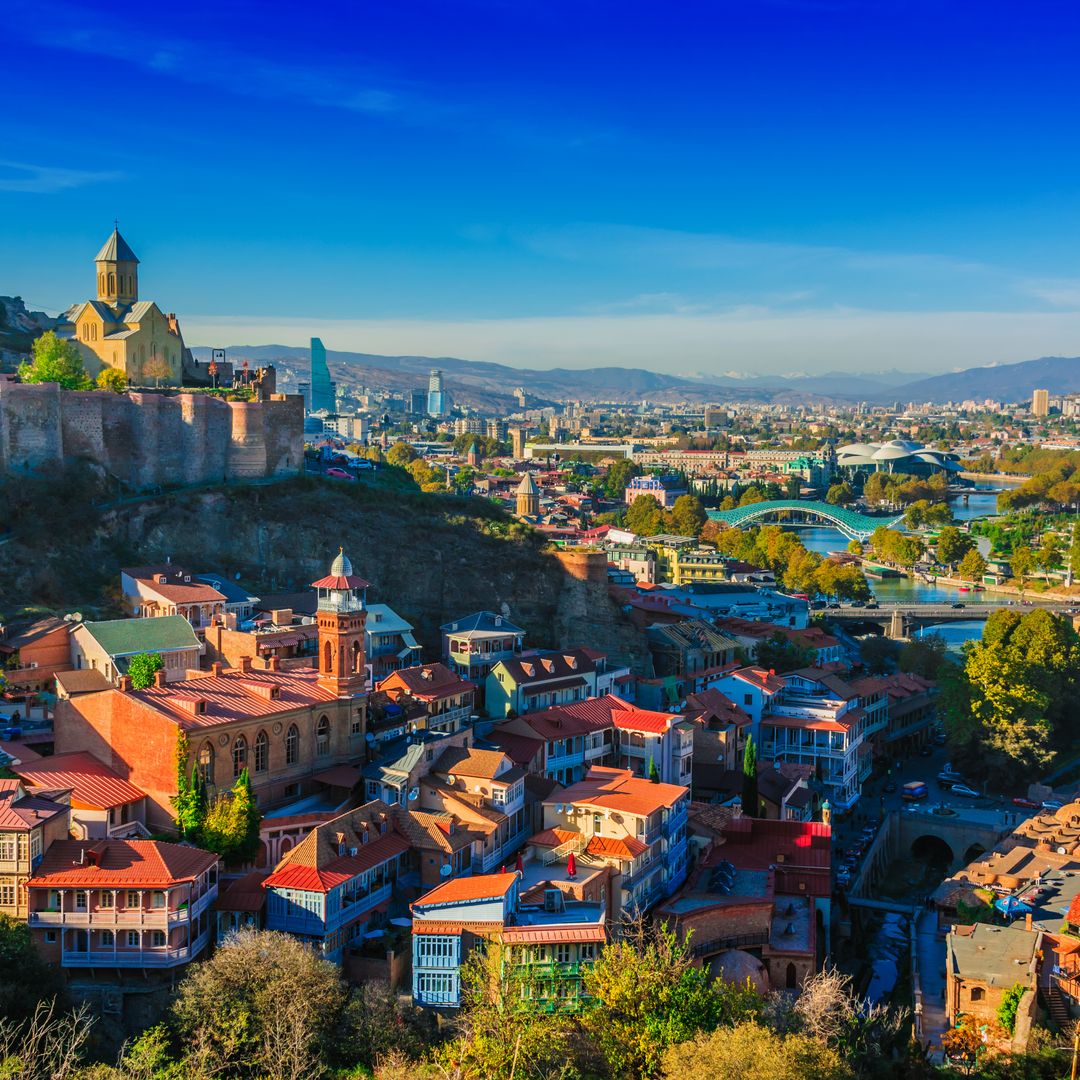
x,y
765,188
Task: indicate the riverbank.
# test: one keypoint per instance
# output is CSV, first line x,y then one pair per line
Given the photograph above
x,y
994,478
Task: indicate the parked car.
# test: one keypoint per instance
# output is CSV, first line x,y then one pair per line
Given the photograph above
x,y
339,474
940,738
9,733
958,604
834,606
1027,804
817,605
856,603
872,604
964,791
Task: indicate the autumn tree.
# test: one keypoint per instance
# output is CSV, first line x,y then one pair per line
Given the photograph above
x,y
111,379
972,566
645,516
1021,563
952,545
401,453
156,368
840,494
56,360
230,825
687,516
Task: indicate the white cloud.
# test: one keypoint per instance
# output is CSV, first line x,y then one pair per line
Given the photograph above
x,y
763,342
22,176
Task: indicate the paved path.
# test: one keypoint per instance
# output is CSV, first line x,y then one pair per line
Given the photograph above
x,y
931,946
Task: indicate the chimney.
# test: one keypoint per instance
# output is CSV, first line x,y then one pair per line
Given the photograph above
x,y
125,684
245,663
273,664
1027,921
159,678
215,668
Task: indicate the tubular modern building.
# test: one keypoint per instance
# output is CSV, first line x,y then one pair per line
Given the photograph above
x,y
322,389
897,456
436,398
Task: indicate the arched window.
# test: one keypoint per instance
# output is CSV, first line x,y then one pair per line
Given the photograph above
x,y
292,746
112,284
206,764
977,993
262,752
322,737
239,756
101,283
357,657
328,657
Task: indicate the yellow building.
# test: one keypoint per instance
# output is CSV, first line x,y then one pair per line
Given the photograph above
x,y
119,330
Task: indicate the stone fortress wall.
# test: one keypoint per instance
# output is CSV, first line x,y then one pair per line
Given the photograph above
x,y
148,440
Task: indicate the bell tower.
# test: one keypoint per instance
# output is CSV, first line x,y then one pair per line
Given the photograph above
x,y
340,617
117,272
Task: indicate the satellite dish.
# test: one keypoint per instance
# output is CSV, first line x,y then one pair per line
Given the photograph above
x,y
414,794
558,808
446,870
451,779
369,737
76,616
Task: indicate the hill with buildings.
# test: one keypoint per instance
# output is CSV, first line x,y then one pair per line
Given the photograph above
x,y
432,557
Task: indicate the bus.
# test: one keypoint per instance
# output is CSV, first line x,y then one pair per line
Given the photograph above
x,y
915,790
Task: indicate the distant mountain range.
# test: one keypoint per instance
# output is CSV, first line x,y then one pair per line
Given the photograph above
x,y
486,384
1001,382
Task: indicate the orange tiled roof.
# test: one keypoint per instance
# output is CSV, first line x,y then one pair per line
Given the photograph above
x,y
468,761
94,786
427,682
339,870
144,864
625,847
619,789
460,890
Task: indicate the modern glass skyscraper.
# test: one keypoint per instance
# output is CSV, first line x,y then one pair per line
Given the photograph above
x,y
436,402
322,389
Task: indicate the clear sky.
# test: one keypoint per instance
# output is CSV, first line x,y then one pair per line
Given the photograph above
x,y
750,186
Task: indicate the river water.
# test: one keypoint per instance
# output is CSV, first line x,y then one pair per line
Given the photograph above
x,y
978,504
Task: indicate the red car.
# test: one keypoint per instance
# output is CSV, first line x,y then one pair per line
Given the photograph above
x,y
1027,804
340,474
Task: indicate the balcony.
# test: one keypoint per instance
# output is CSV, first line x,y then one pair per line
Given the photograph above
x,y
133,958
451,719
353,909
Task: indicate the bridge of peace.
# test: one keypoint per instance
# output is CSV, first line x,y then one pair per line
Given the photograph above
x,y
853,524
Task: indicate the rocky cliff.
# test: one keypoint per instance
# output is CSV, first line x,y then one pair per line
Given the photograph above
x,y
430,557
18,328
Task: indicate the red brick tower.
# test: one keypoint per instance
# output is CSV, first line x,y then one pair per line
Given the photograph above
x,y
340,617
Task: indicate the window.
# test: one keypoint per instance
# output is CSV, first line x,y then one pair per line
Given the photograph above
x,y
562,953
239,756
357,723
292,746
134,899
106,899
436,950
498,796
322,737
80,900
587,952
262,752
597,823
157,939
7,895
977,993
50,937
108,938
748,699
157,899
133,939
205,764
7,847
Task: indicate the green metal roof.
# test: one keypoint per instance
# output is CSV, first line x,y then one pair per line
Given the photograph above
x,y
126,637
851,523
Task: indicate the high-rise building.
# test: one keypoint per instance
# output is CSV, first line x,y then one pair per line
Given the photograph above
x,y
1040,403
416,402
322,389
517,442
436,401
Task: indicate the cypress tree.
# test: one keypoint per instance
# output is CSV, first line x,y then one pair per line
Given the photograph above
x,y
749,780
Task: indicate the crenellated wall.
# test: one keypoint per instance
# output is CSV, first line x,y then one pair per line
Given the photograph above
x,y
148,440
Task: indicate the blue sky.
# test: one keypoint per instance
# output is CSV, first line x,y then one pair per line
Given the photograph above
x,y
764,185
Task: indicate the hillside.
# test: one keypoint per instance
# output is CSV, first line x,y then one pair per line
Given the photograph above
x,y
1003,382
431,557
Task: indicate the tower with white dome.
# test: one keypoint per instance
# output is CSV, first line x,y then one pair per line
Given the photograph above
x,y
340,617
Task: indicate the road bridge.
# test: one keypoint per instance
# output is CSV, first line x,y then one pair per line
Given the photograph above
x,y
900,617
854,525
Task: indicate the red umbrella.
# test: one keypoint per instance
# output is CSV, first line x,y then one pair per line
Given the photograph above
x,y
571,866
520,867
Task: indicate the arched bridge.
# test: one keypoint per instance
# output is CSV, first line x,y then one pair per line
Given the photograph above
x,y
854,525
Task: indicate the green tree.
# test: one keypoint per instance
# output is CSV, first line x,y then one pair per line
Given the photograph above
x,y
840,494
25,979
645,516
112,379
937,515
924,655
654,772
189,802
972,566
618,477
1010,1005
952,545
687,516
751,1051
1072,558
1021,563
142,669
57,360
1050,554
780,653
749,778
231,823
401,454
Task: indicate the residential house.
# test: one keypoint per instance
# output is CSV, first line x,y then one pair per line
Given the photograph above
x,y
109,646
537,680
140,904
390,643
753,689
103,803
283,634
690,651
448,699
32,654
720,728
238,601
336,883
29,824
637,824
912,712
153,591
241,905
545,943
471,646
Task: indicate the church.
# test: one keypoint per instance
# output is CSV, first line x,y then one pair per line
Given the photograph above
x,y
118,330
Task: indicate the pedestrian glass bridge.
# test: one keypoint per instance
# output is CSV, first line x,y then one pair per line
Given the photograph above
x,y
854,525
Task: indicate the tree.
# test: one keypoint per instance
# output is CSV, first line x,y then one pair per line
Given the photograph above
x,y
189,802
263,1006
57,360
952,545
156,368
749,778
112,379
48,1045
647,994
924,655
1072,558
1049,556
654,772
938,514
878,653
751,1051
687,516
780,653
1021,563
25,980
1010,1006
230,826
142,669
401,454
645,516
972,566
840,494
618,477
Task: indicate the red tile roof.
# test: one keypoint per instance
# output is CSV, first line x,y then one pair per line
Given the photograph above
x,y
461,890
243,894
768,681
553,837
625,847
519,748
427,682
21,811
293,875
94,786
712,703
619,789
144,864
341,582
468,761
541,935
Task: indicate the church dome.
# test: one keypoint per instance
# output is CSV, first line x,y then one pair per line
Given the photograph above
x,y
737,967
341,566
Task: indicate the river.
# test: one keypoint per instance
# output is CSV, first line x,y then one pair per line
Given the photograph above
x,y
981,503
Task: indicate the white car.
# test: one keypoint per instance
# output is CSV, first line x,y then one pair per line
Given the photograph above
x,y
965,791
